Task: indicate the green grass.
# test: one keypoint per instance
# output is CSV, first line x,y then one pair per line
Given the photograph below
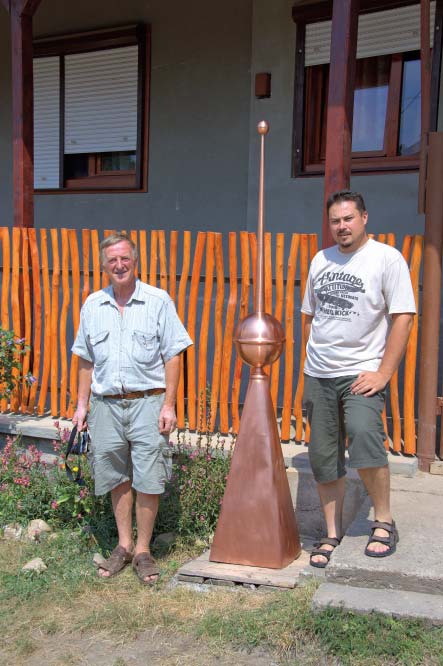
x,y
69,596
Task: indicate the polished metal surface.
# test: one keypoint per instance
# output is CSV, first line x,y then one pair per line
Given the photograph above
x,y
257,525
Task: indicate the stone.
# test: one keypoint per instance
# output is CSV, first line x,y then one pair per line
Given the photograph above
x,y
13,532
36,528
36,564
220,582
165,540
436,467
397,603
98,559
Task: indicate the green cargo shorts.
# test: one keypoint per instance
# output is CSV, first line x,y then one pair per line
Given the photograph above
x,y
126,444
334,413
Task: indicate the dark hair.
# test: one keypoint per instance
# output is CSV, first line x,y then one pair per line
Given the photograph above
x,y
346,195
113,239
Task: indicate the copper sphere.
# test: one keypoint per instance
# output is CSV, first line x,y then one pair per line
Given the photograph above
x,y
263,127
259,339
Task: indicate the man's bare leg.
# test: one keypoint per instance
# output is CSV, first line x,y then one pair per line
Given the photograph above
x,y
146,508
377,483
122,506
331,497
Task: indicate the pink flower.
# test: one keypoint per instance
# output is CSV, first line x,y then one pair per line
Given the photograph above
x,y
22,481
183,468
54,504
202,518
79,516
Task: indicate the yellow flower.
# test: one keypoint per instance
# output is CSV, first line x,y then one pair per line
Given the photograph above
x,y
75,469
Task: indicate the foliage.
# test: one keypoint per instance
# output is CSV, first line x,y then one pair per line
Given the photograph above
x,y
33,488
191,503
11,352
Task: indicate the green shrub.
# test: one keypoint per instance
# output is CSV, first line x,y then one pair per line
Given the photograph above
x,y
191,503
31,488
11,352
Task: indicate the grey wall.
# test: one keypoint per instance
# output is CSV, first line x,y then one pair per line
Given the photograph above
x,y
5,122
296,204
199,118
204,148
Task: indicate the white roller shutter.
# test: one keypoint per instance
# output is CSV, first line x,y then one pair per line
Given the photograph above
x,y
389,31
101,101
46,122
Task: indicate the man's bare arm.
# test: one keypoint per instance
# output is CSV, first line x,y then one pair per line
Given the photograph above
x,y
167,419
307,327
369,383
84,389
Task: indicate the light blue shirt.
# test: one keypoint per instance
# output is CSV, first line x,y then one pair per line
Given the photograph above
x,y
129,351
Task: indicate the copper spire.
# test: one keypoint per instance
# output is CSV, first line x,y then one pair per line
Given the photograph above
x,y
257,524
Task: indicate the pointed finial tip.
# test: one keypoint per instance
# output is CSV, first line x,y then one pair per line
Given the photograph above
x,y
263,127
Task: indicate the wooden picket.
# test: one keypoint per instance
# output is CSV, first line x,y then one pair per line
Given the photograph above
x,y
213,288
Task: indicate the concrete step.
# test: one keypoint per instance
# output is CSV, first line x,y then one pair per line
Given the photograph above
x,y
397,603
416,564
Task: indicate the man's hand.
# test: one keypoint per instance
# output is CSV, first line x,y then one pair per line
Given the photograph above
x,y
369,383
167,420
79,418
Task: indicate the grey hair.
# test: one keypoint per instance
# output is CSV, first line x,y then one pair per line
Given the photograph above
x,y
113,240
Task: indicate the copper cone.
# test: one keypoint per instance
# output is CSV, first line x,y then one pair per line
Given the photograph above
x,y
257,524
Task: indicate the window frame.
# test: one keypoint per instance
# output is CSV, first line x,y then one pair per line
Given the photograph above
x,y
360,163
98,40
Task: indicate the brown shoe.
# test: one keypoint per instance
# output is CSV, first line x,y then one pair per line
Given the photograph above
x,y
116,562
144,565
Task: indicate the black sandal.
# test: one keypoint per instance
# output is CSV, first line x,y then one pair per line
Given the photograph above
x,y
390,541
330,541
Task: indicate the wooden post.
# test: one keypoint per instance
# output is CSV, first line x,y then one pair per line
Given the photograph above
x,y
425,81
21,13
430,328
340,102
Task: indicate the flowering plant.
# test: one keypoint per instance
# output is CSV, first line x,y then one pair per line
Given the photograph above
x,y
191,503
31,487
11,351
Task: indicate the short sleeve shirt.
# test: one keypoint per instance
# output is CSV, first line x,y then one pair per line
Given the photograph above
x,y
350,296
129,351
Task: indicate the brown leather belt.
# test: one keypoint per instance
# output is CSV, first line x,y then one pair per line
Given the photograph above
x,y
135,394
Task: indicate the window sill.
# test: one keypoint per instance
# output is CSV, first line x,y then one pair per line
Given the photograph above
x,y
92,190
388,166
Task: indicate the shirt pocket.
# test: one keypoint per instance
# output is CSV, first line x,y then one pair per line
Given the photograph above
x,y
100,347
144,346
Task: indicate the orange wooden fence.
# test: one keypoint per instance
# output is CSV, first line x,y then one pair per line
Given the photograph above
x,y
47,274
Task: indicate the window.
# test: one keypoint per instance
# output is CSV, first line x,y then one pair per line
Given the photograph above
x,y
386,119
91,93
387,95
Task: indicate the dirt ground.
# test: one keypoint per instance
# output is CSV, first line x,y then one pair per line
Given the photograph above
x,y
151,648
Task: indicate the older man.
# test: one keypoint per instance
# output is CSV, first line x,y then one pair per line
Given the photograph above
x,y
129,342
359,308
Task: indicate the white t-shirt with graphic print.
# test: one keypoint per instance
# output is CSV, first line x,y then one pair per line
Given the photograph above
x,y
350,296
